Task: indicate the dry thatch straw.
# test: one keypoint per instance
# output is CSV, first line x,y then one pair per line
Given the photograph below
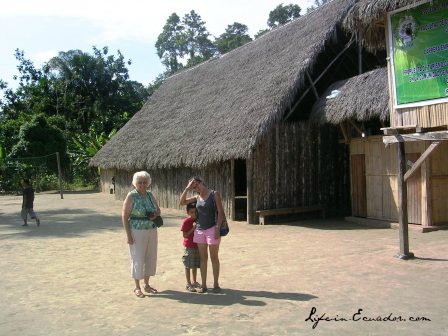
x,y
221,109
360,98
367,18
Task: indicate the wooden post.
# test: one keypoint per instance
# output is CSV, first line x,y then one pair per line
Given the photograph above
x,y
232,193
250,190
403,205
59,173
427,192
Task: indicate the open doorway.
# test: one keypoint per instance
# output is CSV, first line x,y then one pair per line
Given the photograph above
x,y
240,184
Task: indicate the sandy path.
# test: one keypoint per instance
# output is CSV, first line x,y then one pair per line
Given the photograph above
x,y
71,277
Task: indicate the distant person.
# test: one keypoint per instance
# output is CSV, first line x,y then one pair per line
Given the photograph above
x,y
140,208
28,203
207,232
191,252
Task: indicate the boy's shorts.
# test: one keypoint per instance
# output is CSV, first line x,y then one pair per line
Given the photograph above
x,y
206,236
28,211
191,257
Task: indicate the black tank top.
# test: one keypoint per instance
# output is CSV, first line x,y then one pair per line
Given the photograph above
x,y
206,212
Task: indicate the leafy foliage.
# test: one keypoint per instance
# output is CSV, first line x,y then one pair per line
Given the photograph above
x,y
235,36
70,95
169,44
184,41
283,14
38,139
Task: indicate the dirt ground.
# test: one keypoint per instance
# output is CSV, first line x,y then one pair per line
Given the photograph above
x,y
71,276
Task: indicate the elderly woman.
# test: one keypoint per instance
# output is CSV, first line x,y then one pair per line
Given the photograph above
x,y
140,208
206,235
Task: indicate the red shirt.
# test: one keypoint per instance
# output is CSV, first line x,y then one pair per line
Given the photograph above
x,y
187,225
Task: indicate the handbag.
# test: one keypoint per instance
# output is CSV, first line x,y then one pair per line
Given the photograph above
x,y
224,229
158,221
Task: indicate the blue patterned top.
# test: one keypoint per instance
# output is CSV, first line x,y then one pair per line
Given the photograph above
x,y
140,206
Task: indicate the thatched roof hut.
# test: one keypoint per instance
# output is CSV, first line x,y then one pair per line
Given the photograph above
x,y
367,18
359,98
222,108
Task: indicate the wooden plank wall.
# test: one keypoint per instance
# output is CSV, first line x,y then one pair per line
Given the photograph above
x,y
440,184
298,165
381,178
168,184
424,116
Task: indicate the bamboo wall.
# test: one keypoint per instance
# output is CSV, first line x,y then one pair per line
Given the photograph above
x,y
106,180
168,184
381,179
300,165
424,116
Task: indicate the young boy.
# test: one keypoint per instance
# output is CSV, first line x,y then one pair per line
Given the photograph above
x,y
27,203
191,253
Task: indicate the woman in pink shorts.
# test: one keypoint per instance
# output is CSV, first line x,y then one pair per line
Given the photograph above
x,y
206,235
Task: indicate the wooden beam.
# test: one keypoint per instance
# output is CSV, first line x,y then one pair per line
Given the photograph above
x,y
430,136
355,126
345,133
395,130
319,77
421,159
359,38
402,205
312,85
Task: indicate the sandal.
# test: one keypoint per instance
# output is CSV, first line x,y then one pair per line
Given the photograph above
x,y
149,289
216,290
190,288
138,293
202,290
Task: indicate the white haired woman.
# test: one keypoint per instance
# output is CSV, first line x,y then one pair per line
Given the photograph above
x,y
140,208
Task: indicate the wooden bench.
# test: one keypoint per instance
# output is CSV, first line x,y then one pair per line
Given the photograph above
x,y
288,211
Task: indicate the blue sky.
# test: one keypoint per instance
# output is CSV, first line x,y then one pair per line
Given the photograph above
x,y
45,27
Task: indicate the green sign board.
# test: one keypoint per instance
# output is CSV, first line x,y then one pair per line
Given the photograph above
x,y
419,52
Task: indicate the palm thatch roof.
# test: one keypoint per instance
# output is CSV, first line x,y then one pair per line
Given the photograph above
x,y
359,98
221,109
367,17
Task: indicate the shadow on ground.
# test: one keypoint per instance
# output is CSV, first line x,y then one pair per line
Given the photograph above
x,y
67,223
336,223
232,296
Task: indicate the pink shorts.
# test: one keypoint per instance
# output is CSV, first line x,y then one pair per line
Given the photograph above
x,y
206,236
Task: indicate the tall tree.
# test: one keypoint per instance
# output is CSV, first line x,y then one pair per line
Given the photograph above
x,y
184,43
283,14
170,43
197,44
234,36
